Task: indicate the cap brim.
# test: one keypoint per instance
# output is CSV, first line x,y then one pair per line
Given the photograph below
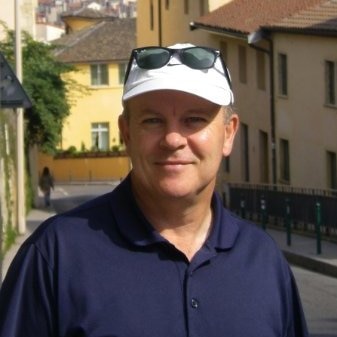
x,y
217,95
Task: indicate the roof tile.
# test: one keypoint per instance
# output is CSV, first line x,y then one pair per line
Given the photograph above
x,y
108,40
247,16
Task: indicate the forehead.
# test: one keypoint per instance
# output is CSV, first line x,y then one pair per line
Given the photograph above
x,y
168,99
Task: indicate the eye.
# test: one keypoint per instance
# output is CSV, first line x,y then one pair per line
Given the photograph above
x,y
152,121
192,120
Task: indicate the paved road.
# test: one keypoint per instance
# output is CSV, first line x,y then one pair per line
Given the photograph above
x,y
318,292
69,196
319,298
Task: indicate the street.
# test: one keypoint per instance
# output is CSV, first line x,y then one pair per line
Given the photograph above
x,y
319,298
318,292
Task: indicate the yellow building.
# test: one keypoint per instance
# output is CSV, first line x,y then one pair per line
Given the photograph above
x,y
282,60
165,22
99,47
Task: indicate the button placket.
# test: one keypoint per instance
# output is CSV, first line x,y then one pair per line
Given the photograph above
x,y
194,303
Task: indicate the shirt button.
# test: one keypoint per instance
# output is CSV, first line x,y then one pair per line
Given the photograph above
x,y
194,303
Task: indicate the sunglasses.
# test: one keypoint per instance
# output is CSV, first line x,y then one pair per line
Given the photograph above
x,y
194,57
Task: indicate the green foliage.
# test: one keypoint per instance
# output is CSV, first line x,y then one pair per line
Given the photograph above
x,y
47,88
72,149
9,238
7,154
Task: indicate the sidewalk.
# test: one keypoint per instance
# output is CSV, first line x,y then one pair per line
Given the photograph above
x,y
302,251
33,220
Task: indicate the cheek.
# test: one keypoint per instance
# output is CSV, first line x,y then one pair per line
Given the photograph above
x,y
140,145
211,140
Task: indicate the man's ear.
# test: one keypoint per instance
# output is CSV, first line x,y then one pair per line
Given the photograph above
x,y
231,128
123,125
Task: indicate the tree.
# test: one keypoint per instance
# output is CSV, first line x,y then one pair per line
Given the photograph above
x,y
45,82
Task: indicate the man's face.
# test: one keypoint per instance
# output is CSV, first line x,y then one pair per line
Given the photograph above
x,y
176,142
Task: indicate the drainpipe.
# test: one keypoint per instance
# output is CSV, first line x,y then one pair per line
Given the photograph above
x,y
159,24
252,39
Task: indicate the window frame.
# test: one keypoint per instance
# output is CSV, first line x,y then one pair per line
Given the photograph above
x,y
243,78
96,73
283,74
261,70
330,68
331,167
100,128
122,67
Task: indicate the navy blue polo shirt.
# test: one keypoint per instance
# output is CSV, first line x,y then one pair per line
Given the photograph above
x,y
101,270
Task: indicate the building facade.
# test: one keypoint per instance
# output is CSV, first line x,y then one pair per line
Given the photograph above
x,y
99,49
282,64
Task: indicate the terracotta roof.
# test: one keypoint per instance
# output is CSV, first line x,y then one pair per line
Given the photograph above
x,y
85,12
45,2
247,16
104,41
322,17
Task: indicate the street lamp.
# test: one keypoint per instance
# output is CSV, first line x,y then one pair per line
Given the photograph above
x,y
19,128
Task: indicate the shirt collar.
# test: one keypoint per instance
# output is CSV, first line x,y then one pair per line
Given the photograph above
x,y
136,229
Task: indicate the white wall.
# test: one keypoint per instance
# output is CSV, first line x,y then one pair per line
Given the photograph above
x,y
27,10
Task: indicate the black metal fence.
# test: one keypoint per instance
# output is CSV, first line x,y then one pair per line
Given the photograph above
x,y
276,205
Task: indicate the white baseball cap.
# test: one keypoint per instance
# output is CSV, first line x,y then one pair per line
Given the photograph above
x,y
212,84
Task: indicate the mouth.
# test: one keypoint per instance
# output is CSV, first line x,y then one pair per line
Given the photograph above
x,y
173,166
173,163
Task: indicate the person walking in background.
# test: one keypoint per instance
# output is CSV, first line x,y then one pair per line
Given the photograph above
x,y
46,184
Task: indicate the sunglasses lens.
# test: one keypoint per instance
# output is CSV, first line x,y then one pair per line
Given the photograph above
x,y
198,58
152,58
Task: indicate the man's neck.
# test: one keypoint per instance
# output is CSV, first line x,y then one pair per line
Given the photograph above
x,y
185,224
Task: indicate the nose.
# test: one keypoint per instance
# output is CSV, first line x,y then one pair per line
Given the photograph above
x,y
173,140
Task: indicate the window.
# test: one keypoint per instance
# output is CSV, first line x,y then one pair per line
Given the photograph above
x,y
282,72
224,50
242,64
121,72
100,136
284,161
330,82
245,152
186,6
261,70
264,158
331,169
99,74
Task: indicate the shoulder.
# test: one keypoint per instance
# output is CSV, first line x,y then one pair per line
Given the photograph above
x,y
248,230
73,229
254,240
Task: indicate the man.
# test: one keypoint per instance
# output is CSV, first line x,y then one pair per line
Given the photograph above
x,y
159,256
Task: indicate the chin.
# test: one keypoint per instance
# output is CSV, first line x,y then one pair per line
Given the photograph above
x,y
181,190
173,189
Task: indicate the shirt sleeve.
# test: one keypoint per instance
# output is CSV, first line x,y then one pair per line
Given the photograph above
x,y
27,296
297,326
